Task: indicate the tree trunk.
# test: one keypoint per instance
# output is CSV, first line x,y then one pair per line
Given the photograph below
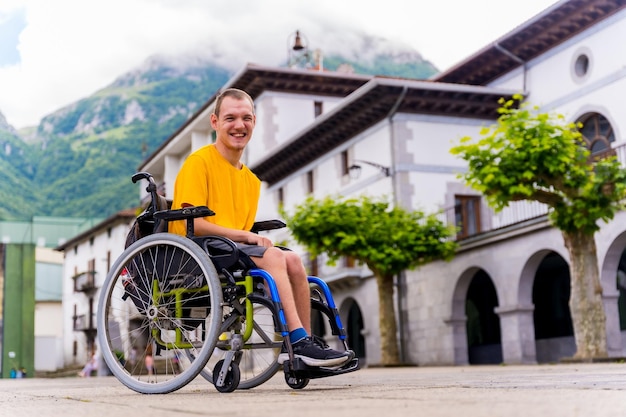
x,y
585,301
387,321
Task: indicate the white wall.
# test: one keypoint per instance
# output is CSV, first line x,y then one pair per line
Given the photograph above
x,y
48,336
77,261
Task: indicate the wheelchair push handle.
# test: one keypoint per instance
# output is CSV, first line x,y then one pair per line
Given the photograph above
x,y
151,188
142,176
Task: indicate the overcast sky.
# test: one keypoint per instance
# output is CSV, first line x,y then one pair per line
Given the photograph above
x,y
54,52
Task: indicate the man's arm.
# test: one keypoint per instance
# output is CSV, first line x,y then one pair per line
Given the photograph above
x,y
203,228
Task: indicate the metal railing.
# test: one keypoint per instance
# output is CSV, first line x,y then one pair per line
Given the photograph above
x,y
84,322
85,281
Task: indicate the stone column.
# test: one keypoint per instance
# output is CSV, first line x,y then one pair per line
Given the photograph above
x,y
613,333
517,331
459,336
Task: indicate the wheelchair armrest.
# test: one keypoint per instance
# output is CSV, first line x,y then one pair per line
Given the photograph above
x,y
184,213
267,225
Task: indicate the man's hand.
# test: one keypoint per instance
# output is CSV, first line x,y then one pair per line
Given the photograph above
x,y
255,239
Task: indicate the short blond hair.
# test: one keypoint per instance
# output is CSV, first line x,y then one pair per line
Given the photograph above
x,y
234,93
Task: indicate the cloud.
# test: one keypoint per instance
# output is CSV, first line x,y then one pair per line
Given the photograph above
x,y
69,49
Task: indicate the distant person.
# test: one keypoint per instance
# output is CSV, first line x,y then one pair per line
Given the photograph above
x,y
132,358
90,367
149,360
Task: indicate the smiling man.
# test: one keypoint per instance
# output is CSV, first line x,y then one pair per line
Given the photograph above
x,y
214,176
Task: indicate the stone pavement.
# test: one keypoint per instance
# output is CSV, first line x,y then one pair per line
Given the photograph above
x,y
567,390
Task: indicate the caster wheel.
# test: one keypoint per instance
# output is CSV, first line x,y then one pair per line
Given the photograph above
x,y
231,381
295,382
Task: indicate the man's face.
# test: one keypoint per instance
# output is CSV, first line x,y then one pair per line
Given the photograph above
x,y
235,123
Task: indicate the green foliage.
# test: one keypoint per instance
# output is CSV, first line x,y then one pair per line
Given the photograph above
x,y
387,239
536,156
15,204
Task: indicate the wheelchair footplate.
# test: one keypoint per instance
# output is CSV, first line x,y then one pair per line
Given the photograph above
x,y
298,373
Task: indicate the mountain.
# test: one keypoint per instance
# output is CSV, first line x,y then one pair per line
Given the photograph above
x,y
78,161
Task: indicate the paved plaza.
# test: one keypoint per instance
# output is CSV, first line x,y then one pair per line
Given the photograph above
x,y
568,390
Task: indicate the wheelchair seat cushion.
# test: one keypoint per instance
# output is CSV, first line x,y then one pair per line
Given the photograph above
x,y
229,255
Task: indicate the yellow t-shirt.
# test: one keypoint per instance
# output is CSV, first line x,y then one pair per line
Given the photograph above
x,y
207,179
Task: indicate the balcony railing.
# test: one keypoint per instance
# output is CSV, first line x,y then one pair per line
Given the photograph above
x,y
84,322
518,211
85,281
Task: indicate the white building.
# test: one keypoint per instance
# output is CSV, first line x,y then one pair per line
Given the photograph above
x,y
88,258
504,296
312,126
48,310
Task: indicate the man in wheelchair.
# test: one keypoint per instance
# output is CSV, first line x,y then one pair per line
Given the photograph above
x,y
214,176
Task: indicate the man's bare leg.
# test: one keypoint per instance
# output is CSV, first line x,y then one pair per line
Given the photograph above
x,y
300,288
274,262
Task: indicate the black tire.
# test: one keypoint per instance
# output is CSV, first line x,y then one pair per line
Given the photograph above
x,y
231,379
163,291
296,382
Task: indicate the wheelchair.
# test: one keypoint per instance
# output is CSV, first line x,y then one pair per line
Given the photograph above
x,y
173,308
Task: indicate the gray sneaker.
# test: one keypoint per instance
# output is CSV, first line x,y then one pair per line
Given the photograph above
x,y
314,354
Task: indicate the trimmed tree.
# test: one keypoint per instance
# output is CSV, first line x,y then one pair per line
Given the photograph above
x,y
528,155
386,239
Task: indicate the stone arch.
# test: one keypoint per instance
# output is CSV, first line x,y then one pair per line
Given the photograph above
x,y
474,302
352,317
612,295
458,319
552,322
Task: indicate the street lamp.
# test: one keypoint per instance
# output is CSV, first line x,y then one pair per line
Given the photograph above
x,y
355,169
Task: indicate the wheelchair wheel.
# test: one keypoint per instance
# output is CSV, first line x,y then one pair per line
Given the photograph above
x,y
231,379
296,382
161,299
259,356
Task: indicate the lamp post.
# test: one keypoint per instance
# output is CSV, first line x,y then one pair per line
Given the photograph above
x,y
400,279
355,168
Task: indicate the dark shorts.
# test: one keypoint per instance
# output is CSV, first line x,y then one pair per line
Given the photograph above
x,y
248,252
252,250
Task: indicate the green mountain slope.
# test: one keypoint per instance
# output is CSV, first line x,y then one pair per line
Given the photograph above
x,y
93,147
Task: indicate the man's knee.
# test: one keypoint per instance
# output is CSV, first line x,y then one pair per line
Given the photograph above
x,y
294,263
272,258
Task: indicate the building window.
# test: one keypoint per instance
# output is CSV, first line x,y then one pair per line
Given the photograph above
x,y
309,182
318,107
581,65
598,134
345,163
467,215
281,196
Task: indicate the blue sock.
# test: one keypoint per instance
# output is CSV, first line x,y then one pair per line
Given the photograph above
x,y
297,335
